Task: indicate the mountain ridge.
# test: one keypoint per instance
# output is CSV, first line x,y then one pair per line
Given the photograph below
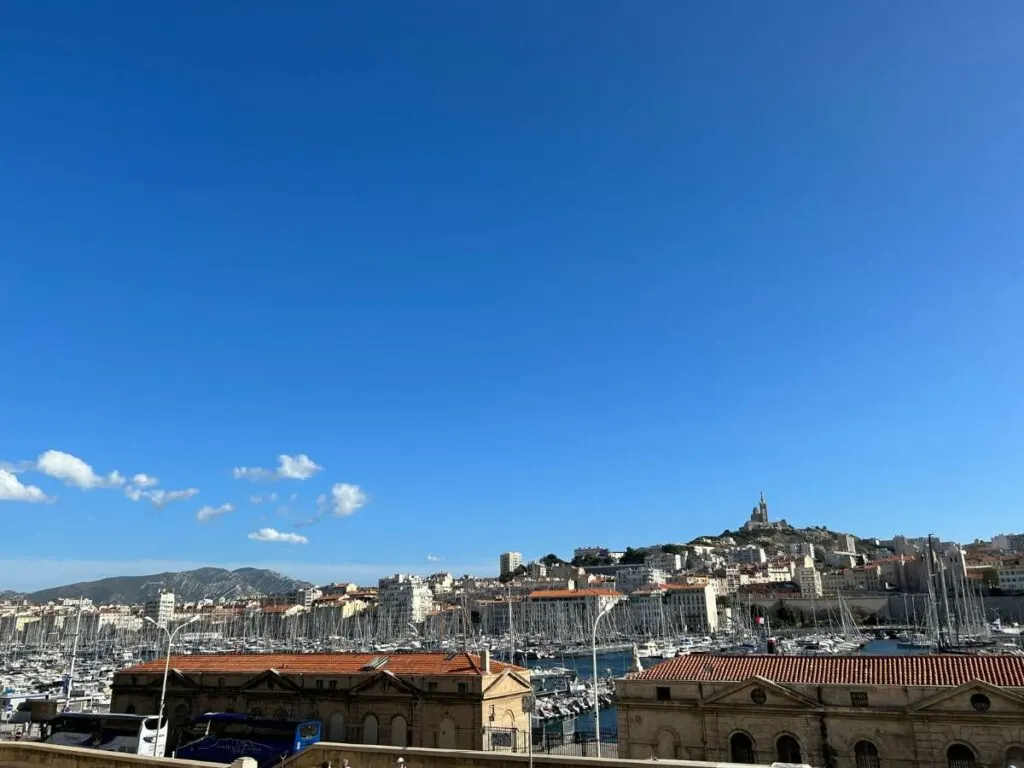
x,y
188,586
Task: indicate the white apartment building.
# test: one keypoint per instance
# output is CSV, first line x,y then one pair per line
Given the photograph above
x,y
664,561
803,548
840,559
809,580
777,573
509,561
1010,576
161,609
402,599
632,578
696,604
748,554
845,543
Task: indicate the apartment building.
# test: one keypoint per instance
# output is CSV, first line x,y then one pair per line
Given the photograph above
x,y
1010,575
632,578
160,609
402,599
508,562
748,554
664,561
808,578
548,607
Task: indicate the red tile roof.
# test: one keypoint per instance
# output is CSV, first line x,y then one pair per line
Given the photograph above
x,y
409,663
564,593
937,670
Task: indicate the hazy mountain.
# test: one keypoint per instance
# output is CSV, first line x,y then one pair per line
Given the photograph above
x,y
187,586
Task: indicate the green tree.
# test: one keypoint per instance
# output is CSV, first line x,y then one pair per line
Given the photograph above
x,y
674,549
632,557
551,559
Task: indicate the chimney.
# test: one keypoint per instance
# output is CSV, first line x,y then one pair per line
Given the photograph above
x,y
485,660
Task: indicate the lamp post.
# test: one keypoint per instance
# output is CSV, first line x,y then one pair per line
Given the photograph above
x,y
593,647
167,668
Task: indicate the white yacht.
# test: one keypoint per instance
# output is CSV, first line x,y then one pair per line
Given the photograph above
x,y
648,650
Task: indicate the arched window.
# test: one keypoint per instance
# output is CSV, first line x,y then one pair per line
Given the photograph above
x,y
788,749
370,729
665,748
446,734
1015,757
336,727
399,732
741,749
961,756
866,754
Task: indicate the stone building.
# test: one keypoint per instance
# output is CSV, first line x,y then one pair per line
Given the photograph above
x,y
837,712
449,700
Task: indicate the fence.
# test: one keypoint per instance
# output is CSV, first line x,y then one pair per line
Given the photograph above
x,y
575,744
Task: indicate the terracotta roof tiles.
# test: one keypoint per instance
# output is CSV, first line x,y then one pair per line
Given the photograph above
x,y
409,663
935,670
551,594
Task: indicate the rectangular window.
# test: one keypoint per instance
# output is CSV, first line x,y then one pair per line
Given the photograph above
x,y
463,687
320,684
431,686
332,684
858,698
663,693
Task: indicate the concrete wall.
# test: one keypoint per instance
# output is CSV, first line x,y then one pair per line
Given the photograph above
x,y
360,756
22,754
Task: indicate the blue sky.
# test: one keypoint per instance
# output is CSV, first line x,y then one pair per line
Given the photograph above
x,y
511,276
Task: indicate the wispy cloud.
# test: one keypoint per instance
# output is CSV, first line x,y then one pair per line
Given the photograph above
x,y
210,513
159,498
257,498
12,489
142,480
434,559
272,534
72,470
299,467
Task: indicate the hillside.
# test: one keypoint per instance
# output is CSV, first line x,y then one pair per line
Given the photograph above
x,y
187,586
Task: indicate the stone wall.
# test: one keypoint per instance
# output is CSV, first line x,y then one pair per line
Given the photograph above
x,y
28,755
23,754
360,756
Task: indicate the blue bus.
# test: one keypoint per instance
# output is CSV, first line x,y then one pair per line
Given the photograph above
x,y
223,737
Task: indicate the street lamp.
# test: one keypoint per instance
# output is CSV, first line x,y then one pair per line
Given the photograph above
x,y
167,668
593,647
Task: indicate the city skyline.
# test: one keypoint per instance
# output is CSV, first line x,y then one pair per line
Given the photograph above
x,y
344,290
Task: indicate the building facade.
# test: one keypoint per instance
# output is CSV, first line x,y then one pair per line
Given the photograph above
x,y
447,700
836,712
403,599
508,562
161,608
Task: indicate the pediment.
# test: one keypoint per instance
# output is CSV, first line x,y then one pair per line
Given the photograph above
x,y
747,694
269,681
962,699
507,683
175,679
385,683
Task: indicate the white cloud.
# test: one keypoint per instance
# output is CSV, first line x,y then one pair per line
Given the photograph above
x,y
347,499
142,480
299,467
271,534
159,498
209,513
12,489
17,467
433,559
71,470
257,498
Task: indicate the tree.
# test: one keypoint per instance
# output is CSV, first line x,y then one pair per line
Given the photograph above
x,y
633,557
674,549
513,574
551,559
